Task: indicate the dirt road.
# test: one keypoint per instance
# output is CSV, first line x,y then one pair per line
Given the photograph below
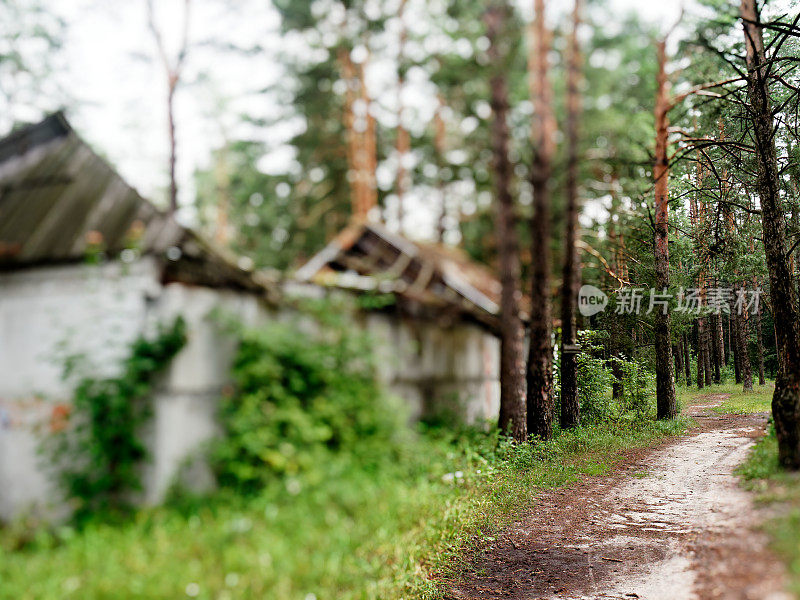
x,y
669,524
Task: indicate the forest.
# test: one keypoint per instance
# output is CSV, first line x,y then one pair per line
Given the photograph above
x,y
579,223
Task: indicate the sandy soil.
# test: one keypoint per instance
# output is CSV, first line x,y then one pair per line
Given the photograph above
x,y
670,524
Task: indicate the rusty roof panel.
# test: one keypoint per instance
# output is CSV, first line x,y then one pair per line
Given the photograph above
x,y
59,200
430,274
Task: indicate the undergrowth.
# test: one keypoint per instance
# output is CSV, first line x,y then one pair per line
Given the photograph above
x,y
398,531
326,491
762,474
96,450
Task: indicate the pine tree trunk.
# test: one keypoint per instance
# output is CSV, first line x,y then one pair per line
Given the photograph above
x,y
716,343
540,353
700,359
708,365
570,408
737,349
747,373
678,356
687,360
665,388
760,346
786,399
512,383
728,349
173,145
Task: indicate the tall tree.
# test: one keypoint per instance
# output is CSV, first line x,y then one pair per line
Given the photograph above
x,y
786,398
173,69
403,140
665,389
686,362
540,352
570,408
744,337
512,382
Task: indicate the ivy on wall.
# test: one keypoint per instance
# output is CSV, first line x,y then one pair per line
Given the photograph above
x,y
98,453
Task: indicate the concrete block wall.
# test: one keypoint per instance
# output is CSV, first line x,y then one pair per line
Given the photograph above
x,y
438,370
48,313
186,400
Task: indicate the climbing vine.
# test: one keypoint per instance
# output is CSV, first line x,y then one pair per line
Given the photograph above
x,y
97,448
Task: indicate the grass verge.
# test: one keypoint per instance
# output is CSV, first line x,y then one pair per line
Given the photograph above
x,y
781,491
738,402
353,534
762,475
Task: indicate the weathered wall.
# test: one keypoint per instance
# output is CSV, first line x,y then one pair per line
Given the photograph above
x,y
446,372
451,372
49,313
186,401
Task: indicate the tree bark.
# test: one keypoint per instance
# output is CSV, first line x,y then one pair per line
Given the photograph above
x,y
700,359
737,350
728,350
759,343
744,339
687,360
173,145
512,383
786,398
540,354
570,408
718,349
665,388
707,354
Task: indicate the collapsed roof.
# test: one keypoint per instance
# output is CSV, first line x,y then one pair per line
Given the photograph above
x,y
60,202
425,277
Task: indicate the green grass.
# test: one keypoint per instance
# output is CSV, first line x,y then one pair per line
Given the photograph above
x,y
739,402
394,532
762,475
781,490
757,401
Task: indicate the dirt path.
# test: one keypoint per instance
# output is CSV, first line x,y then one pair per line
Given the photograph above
x,y
670,524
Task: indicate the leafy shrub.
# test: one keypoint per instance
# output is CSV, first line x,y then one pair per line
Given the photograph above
x,y
301,399
594,379
638,389
98,451
595,376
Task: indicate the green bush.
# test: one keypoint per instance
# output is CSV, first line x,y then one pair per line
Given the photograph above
x,y
302,400
594,379
97,451
638,389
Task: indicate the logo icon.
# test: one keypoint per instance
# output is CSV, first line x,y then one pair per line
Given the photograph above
x,y
591,300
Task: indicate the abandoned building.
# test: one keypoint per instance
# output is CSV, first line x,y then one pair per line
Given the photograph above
x,y
438,333
87,265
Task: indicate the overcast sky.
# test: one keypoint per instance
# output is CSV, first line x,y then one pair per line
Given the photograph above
x,y
117,86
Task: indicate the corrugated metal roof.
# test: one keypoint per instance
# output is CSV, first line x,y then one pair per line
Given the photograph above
x,y
60,202
368,257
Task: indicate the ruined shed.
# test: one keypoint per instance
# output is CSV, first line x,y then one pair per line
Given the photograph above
x,y
86,266
437,332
